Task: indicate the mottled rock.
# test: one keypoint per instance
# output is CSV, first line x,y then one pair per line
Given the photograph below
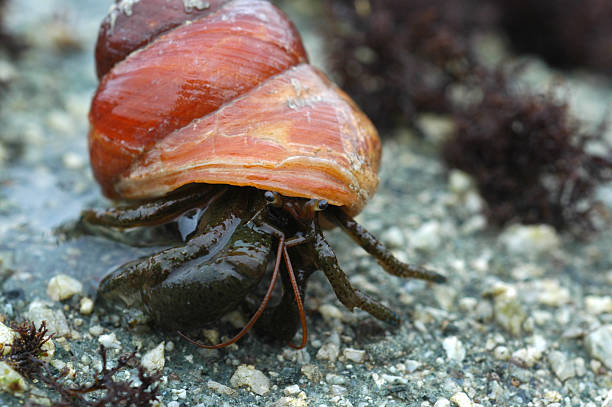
x,y
221,388
561,366
530,240
599,344
329,351
508,311
11,381
154,360
354,355
461,400
39,311
442,403
248,376
289,402
312,373
61,287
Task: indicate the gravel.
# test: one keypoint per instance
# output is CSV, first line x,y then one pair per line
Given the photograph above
x,y
525,318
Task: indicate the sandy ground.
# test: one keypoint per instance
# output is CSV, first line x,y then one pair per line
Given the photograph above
x,y
525,318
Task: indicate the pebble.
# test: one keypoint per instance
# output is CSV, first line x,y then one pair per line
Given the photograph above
x,y
461,400
289,402
501,353
312,373
507,309
338,390
300,356
86,306
10,380
329,351
153,361
221,388
333,378
248,376
599,344
428,236
330,312
530,240
96,330
7,336
550,292
109,341
291,390
598,305
39,311
561,366
354,355
460,182
393,237
608,401
73,161
442,403
455,351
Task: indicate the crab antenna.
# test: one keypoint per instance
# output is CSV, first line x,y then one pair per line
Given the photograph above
x,y
382,255
298,301
262,306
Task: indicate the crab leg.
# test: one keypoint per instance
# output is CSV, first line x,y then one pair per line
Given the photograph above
x,y
382,255
351,297
152,213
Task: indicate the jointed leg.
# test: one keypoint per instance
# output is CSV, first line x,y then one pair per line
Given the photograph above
x,y
382,255
152,213
349,296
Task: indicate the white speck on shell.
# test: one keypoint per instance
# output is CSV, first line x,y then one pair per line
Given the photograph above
x,y
195,4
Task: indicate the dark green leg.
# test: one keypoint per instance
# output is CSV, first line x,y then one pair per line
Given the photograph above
x,y
155,212
349,296
382,255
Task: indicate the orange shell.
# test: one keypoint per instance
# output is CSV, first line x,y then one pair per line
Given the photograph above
x,y
230,99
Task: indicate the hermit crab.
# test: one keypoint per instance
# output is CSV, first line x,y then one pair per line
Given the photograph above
x,y
212,113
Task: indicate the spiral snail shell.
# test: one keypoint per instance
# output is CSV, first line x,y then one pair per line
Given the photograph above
x,y
221,92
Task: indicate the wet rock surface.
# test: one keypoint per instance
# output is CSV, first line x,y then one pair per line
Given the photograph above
x,y
524,318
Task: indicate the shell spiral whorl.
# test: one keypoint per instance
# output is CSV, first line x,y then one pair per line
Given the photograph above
x,y
221,92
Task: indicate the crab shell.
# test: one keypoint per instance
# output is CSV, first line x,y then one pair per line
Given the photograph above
x,y
222,94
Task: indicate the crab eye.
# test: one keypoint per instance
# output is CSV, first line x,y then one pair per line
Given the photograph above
x,y
321,205
273,199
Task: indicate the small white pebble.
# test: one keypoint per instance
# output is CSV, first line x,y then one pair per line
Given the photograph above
x,y
461,399
248,376
598,305
221,388
501,353
442,403
338,390
354,355
73,161
153,361
62,287
290,402
330,312
110,341
333,378
7,336
454,348
96,330
86,306
169,346
530,240
291,390
329,351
